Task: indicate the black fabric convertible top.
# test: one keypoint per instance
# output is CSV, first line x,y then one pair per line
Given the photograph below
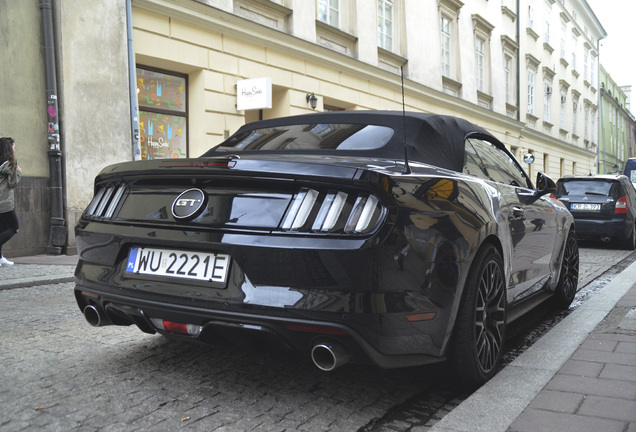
x,y
431,138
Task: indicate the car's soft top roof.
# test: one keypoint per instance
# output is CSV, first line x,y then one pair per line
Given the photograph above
x,y
431,138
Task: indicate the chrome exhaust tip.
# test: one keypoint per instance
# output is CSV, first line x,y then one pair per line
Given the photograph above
x,y
606,239
93,317
328,355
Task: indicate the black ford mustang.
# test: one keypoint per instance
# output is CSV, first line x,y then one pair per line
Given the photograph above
x,y
372,237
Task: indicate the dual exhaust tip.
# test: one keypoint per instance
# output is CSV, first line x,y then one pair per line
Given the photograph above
x,y
329,355
326,356
94,317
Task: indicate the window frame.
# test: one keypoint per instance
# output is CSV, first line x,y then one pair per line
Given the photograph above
x,y
329,8
165,111
505,170
386,35
449,9
532,75
446,45
480,63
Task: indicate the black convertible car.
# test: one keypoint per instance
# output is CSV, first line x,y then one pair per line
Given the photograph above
x,y
374,237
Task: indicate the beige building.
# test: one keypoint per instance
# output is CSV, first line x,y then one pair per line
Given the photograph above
x,y
527,70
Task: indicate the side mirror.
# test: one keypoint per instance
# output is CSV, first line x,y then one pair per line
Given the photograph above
x,y
545,185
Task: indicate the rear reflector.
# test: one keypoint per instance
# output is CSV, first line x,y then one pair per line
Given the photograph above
x,y
175,327
621,205
427,316
314,329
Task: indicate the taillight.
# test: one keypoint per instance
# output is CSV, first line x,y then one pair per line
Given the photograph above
x,y
621,205
175,327
105,201
333,211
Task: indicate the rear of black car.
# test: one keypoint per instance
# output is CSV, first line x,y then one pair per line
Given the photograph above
x,y
603,206
201,249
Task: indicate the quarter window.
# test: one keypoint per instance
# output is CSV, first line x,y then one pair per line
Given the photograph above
x,y
163,115
472,163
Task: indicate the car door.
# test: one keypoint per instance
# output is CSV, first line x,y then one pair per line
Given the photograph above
x,y
529,221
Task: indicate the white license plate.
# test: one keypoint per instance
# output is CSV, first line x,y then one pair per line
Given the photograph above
x,y
585,206
180,264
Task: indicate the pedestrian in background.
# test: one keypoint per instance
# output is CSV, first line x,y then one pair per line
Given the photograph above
x,y
10,175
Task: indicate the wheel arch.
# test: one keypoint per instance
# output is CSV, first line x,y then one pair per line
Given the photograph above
x,y
490,240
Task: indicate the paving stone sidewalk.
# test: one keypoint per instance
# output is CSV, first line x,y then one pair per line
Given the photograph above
x,y
579,377
38,269
595,390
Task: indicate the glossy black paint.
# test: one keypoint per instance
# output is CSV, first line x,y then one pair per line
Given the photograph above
x,y
389,295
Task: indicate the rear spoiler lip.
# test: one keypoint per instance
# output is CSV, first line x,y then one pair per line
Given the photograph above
x,y
280,169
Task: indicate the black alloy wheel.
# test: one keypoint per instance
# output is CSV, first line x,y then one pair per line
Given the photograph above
x,y
480,329
569,277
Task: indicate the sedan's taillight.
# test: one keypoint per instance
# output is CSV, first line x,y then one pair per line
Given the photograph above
x,y
621,205
332,211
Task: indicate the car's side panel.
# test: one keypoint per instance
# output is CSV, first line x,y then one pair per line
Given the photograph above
x,y
533,228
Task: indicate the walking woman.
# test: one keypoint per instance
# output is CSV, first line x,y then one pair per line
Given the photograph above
x,y
10,175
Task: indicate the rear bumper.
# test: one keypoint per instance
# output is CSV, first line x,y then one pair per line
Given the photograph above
x,y
356,334
383,309
614,229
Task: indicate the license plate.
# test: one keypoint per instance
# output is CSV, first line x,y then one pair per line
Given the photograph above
x,y
585,206
180,264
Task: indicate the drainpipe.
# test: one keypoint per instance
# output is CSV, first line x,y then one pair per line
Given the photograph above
x,y
132,86
601,123
602,131
57,223
518,63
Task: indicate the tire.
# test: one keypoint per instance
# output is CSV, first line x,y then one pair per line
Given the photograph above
x,y
630,243
569,274
480,327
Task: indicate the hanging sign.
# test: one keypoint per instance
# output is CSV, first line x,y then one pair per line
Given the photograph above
x,y
254,94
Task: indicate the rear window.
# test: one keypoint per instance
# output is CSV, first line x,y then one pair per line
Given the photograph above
x,y
307,137
588,187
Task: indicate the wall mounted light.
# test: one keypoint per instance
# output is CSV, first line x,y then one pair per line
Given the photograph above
x,y
312,100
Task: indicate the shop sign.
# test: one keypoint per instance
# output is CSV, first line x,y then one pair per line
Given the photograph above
x,y
254,94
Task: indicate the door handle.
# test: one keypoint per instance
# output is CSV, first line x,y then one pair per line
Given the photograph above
x,y
518,212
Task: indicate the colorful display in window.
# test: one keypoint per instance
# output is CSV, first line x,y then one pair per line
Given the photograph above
x,y
162,115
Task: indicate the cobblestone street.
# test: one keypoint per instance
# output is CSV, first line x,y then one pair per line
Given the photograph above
x,y
58,373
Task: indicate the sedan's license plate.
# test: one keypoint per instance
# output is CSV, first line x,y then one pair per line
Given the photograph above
x,y
181,264
585,206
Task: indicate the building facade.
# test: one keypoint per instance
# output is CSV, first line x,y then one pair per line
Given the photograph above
x,y
527,70
617,141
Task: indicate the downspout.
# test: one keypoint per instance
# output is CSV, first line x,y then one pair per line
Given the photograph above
x,y
602,132
601,94
57,223
132,85
518,62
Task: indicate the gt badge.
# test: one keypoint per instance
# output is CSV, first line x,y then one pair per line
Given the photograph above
x,y
189,204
